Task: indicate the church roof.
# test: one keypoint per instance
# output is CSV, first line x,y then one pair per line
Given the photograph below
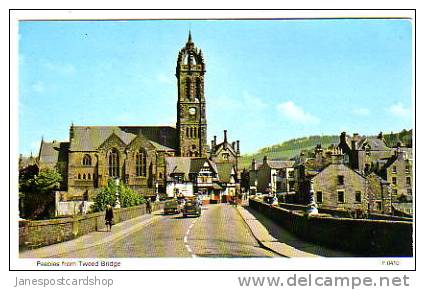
x,y
89,138
52,152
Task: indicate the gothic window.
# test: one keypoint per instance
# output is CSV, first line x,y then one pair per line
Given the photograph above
x,y
141,163
341,197
198,87
319,197
84,176
87,160
113,163
79,175
188,87
187,132
89,176
340,180
195,133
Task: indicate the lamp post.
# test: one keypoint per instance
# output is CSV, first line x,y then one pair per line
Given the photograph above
x,y
117,194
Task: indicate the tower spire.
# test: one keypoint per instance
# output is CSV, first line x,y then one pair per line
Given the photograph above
x,y
189,39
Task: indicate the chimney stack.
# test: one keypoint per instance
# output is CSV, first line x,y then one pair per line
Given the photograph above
x,y
380,136
233,144
254,164
215,140
237,147
225,136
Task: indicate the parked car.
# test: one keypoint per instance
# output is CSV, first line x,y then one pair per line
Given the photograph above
x,y
191,207
171,206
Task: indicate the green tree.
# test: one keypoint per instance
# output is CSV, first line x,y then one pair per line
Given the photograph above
x,y
127,196
36,193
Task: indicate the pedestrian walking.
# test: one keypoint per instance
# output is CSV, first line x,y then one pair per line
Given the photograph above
x,y
109,217
148,206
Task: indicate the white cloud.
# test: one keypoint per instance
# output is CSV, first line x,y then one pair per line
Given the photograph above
x,y
62,68
38,87
361,112
296,114
399,110
165,79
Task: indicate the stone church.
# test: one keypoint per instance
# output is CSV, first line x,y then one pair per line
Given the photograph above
x,y
137,154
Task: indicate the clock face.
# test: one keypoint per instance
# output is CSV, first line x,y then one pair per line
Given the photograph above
x,y
192,111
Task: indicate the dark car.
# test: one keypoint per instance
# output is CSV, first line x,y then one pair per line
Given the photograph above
x,y
171,206
192,207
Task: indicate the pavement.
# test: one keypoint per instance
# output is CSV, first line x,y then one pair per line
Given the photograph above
x,y
219,232
93,239
275,238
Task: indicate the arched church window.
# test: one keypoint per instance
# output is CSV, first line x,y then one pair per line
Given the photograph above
x,y
188,87
84,176
87,160
88,176
198,88
113,163
79,175
141,163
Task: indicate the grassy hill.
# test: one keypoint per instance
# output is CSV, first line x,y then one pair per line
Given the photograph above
x,y
293,147
288,149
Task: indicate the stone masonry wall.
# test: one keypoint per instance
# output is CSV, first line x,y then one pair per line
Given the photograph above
x,y
366,238
35,234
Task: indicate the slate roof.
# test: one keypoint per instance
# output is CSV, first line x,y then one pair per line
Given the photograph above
x,y
89,138
52,152
186,165
225,171
279,164
177,165
374,143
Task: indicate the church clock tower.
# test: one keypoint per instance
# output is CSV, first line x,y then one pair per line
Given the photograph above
x,y
191,119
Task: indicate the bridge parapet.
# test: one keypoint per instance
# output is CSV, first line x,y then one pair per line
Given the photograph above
x,y
362,237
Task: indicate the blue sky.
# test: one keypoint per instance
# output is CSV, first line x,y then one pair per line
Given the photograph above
x,y
266,81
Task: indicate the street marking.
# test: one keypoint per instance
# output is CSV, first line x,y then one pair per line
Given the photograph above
x,y
186,237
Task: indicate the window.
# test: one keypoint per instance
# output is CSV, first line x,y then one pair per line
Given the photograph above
x,y
395,191
394,169
141,163
84,176
79,175
187,132
319,197
88,176
379,205
358,196
341,197
407,168
408,181
394,180
87,160
340,180
113,163
160,175
225,156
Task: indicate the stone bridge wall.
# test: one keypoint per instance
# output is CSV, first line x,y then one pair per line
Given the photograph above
x,y
367,238
34,234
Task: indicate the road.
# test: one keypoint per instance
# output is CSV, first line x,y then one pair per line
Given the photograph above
x,y
219,232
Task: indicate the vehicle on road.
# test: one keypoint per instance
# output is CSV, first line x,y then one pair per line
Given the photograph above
x,y
171,206
191,207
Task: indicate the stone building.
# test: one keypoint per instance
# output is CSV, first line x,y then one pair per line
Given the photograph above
x,y
273,176
225,152
137,155
339,187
